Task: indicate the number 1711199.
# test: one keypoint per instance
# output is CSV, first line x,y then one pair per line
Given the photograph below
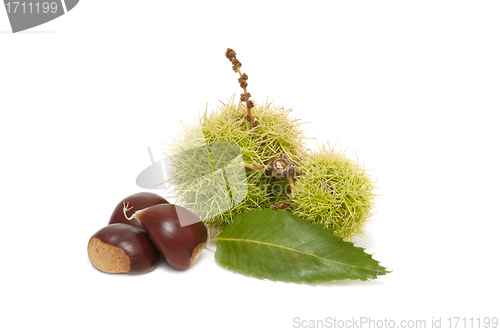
x,y
471,322
30,7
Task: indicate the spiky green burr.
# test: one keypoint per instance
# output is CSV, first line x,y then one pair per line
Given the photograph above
x,y
276,133
207,178
335,191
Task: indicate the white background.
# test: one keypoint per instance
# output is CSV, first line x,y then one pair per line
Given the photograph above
x,y
411,87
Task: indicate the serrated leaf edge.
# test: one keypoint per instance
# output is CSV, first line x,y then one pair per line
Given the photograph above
x,y
302,252
243,273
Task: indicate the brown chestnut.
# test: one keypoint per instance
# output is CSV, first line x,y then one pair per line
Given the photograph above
x,y
139,201
177,233
122,248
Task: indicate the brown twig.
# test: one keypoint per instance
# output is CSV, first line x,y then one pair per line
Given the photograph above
x,y
282,205
281,168
245,96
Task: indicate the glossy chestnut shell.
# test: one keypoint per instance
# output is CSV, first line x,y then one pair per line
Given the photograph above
x,y
138,202
177,233
122,248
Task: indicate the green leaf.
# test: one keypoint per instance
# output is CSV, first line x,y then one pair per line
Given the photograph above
x,y
279,246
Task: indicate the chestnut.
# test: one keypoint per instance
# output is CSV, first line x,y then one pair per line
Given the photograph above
x,y
122,248
139,201
177,233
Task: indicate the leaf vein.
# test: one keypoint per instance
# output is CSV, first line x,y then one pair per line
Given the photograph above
x,y
292,249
